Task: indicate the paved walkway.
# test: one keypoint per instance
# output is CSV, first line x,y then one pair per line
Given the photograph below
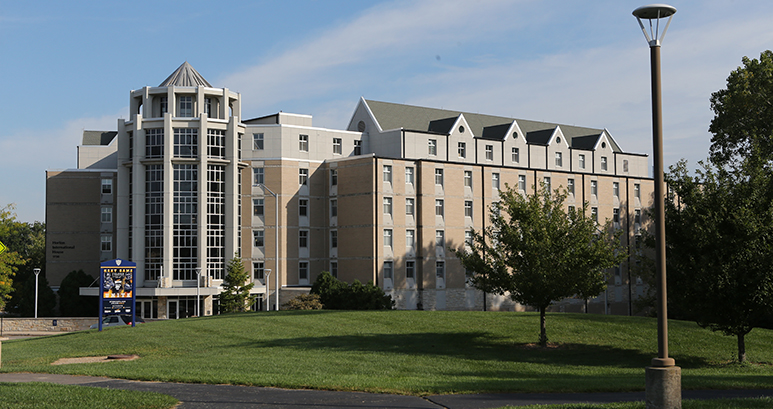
x,y
230,396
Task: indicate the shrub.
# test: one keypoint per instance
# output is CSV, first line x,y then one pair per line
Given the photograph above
x,y
304,302
71,303
336,295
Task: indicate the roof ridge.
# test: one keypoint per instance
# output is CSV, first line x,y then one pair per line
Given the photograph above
x,y
185,76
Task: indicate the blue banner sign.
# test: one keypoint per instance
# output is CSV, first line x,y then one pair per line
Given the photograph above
x,y
117,289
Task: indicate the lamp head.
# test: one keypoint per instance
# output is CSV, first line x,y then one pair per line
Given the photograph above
x,y
36,271
654,12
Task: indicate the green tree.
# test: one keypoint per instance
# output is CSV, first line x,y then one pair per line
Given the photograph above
x,y
28,240
536,253
742,127
71,303
719,253
236,292
17,257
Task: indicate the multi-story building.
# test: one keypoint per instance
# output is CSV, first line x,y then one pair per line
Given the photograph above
x,y
386,200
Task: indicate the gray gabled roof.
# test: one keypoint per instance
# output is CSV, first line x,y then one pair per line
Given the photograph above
x,y
396,116
103,138
185,76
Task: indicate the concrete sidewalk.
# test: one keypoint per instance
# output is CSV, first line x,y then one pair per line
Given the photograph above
x,y
231,396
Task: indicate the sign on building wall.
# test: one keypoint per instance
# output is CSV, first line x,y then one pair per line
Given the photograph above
x,y
117,293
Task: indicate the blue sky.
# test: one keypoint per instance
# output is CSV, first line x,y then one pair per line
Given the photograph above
x,y
66,67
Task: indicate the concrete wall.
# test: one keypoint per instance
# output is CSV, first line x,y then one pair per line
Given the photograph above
x,y
26,325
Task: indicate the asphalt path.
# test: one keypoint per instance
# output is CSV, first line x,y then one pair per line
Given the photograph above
x,y
230,396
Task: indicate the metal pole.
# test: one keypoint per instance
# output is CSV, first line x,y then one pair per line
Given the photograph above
x,y
198,284
36,271
267,280
276,247
660,213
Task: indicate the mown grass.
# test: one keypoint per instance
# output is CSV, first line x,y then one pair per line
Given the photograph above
x,y
37,395
408,352
739,403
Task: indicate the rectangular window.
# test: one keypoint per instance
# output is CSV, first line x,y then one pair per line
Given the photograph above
x,y
107,214
440,269
468,178
616,216
495,180
257,176
439,177
107,186
468,208
258,272
409,176
303,270
546,181
303,143
440,238
257,236
303,176
571,209
637,191
582,161
257,141
410,238
388,173
594,188
333,177
603,163
559,160
462,150
570,186
439,207
216,143
257,207
164,105
432,147
106,243
333,208
468,237
616,189
388,272
388,205
637,216
208,106
625,165
388,237
303,207
516,155
358,147
410,269
186,107
489,152
186,142
594,213
334,239
334,269
337,146
303,239
522,183
409,206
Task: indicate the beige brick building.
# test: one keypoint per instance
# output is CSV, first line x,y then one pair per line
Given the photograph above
x,y
384,200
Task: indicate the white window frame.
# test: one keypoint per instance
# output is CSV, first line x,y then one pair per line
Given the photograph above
x,y
462,150
409,175
257,141
387,170
258,176
258,238
388,205
468,178
388,238
303,143
337,146
410,206
439,177
106,214
489,152
303,176
432,147
468,208
439,207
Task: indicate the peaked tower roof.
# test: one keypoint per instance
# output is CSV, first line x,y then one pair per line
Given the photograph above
x,y
185,76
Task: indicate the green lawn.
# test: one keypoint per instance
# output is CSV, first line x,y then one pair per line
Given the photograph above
x,y
410,352
36,395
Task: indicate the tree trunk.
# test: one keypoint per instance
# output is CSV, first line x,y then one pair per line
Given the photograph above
x,y
741,348
543,336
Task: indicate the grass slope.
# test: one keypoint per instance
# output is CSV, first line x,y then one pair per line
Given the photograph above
x,y
411,352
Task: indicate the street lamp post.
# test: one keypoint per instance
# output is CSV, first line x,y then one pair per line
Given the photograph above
x,y
267,280
37,272
663,377
276,248
198,285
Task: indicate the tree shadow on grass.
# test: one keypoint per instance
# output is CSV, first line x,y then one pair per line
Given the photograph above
x,y
471,346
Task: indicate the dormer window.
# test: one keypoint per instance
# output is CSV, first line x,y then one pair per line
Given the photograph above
x,y
603,163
